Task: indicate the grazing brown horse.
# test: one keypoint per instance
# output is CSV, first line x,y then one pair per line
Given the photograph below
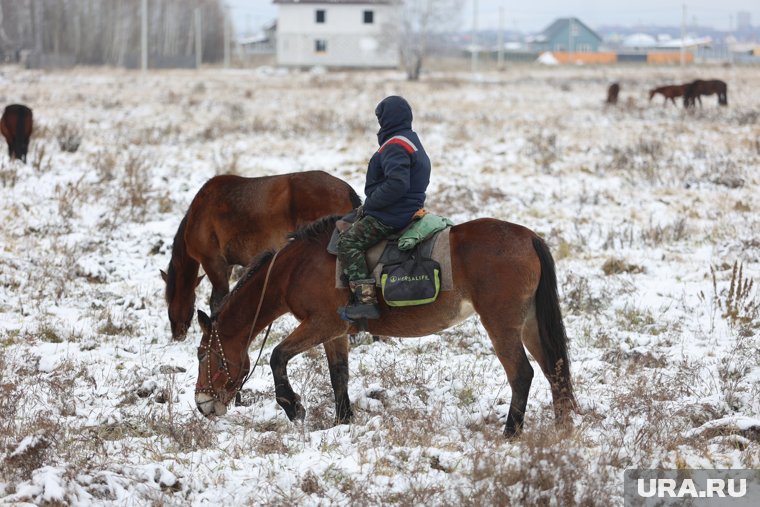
x,y
16,127
612,93
502,271
669,92
696,89
233,218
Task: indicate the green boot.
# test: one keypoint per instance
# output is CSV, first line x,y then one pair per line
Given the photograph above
x,y
364,304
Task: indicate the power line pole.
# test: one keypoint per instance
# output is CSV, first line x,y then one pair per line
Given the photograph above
x,y
198,44
474,62
226,36
144,37
683,37
500,40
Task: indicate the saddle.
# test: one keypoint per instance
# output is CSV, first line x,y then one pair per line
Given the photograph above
x,y
387,251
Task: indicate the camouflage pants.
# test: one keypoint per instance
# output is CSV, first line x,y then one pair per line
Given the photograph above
x,y
353,244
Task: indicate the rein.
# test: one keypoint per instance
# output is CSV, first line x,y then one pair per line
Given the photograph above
x,y
238,384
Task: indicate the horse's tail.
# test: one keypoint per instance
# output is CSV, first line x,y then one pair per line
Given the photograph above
x,y
20,141
551,329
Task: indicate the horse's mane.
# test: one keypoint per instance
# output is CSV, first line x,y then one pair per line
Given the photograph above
x,y
315,230
178,248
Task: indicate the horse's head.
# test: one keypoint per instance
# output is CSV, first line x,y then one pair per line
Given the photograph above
x,y
222,369
651,93
180,303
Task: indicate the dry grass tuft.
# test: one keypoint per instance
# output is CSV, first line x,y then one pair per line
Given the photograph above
x,y
614,266
69,137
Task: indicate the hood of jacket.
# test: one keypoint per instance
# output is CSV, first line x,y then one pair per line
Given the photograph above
x,y
394,114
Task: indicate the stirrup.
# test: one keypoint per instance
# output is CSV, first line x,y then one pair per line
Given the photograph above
x,y
358,311
360,324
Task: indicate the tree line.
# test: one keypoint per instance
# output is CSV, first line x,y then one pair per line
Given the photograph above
x,y
98,32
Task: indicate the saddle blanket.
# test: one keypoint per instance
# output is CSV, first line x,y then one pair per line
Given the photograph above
x,y
436,247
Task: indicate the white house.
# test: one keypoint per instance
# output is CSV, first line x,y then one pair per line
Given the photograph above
x,y
335,33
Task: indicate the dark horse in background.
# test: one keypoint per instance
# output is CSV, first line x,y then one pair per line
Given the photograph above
x,y
696,89
16,127
670,92
612,93
231,219
503,272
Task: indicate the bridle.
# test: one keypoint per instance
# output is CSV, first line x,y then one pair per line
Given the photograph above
x,y
224,368
232,385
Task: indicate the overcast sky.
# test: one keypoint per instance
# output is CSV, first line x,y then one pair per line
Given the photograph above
x,y
249,15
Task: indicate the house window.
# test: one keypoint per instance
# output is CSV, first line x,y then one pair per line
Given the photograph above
x,y
584,48
369,17
320,16
320,46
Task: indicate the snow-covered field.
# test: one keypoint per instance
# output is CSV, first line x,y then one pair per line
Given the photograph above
x,y
647,210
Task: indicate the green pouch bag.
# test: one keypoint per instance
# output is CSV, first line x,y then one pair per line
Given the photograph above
x,y
415,281
422,229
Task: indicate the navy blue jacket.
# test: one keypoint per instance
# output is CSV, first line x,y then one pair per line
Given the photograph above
x,y
399,171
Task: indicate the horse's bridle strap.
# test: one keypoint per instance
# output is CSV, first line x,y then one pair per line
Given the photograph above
x,y
224,363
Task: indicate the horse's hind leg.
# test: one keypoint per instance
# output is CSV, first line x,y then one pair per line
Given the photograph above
x,y
337,360
504,329
563,404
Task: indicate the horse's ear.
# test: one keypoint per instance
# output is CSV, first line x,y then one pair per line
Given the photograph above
x,y
164,275
204,321
198,281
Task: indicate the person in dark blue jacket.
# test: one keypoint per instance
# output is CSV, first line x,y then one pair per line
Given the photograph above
x,y
397,177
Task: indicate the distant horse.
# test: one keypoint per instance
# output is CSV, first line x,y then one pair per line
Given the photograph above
x,y
699,87
231,219
502,271
669,92
16,127
612,93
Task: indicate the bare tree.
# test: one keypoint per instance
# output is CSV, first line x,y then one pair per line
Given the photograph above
x,y
414,23
107,31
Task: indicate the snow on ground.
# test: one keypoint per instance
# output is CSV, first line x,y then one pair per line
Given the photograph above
x,y
651,212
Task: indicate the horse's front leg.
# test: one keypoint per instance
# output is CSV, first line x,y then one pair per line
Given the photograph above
x,y
300,340
286,397
218,272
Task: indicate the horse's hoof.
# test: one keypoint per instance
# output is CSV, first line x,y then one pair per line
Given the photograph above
x,y
299,413
345,419
511,432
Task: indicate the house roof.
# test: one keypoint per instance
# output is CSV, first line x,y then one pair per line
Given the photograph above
x,y
337,2
559,24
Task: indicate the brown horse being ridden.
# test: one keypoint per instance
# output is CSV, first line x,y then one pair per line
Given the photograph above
x,y
233,218
696,89
502,271
669,92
